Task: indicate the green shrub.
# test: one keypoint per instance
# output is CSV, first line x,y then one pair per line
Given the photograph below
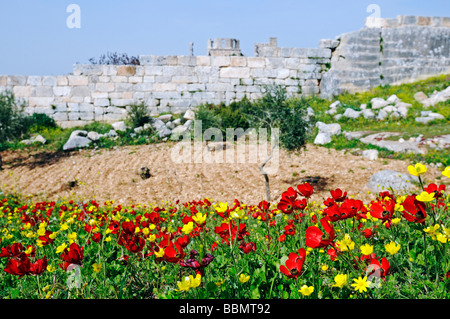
x,y
39,121
138,115
12,119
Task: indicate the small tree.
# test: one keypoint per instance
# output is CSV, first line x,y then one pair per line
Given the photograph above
x,y
115,58
12,119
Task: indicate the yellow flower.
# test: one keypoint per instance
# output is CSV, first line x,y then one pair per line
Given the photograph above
x,y
396,221
361,284
146,231
151,237
189,282
41,231
159,253
392,248
324,267
53,235
340,280
199,218
64,227
243,278
29,250
97,267
366,249
107,239
425,197
61,248
306,291
72,237
441,238
50,268
222,207
446,172
417,170
346,243
238,214
431,230
187,228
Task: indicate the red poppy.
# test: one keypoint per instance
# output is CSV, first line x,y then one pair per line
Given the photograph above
x,y
18,267
294,264
174,254
383,210
46,240
433,188
289,229
247,247
305,189
96,237
286,205
73,255
135,244
414,210
39,266
368,232
315,238
13,250
338,195
333,253
377,269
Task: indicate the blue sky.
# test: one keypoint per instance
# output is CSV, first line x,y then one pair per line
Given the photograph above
x,y
35,39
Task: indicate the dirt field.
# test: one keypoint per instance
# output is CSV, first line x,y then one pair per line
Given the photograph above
x,y
112,174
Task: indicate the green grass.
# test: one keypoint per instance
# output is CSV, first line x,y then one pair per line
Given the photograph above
x,y
407,126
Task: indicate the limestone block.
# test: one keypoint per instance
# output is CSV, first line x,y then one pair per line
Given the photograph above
x,y
238,61
81,91
164,87
60,116
203,61
44,109
16,80
62,90
274,62
145,87
184,79
49,80
101,102
282,73
99,95
235,72
127,70
153,70
135,79
34,80
105,87
124,87
62,80
220,61
121,102
187,60
109,70
40,101
76,80
23,91
256,62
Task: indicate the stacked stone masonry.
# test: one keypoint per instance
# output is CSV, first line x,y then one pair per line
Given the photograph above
x,y
384,51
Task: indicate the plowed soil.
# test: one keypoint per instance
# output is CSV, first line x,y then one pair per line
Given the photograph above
x,y
113,175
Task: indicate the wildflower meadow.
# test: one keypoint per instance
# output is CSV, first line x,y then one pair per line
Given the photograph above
x,y
394,247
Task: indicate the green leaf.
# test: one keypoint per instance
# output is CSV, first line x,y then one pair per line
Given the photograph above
x,y
211,286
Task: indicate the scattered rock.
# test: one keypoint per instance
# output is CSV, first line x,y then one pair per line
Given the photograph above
x,y
76,141
330,129
93,136
35,139
393,99
189,115
335,104
351,113
437,97
177,122
119,126
420,96
370,154
166,118
144,172
368,114
389,179
378,103
322,138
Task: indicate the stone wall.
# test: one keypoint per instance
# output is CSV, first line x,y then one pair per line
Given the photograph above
x,y
384,51
388,51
